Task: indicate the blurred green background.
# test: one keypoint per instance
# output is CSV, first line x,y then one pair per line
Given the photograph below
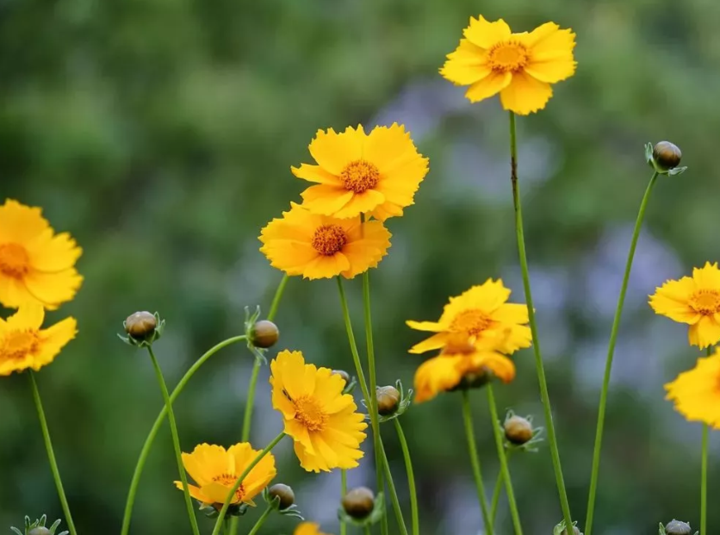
x,y
160,133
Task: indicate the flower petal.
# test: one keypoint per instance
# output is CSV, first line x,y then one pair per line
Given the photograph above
x,y
525,94
489,86
334,151
315,173
484,33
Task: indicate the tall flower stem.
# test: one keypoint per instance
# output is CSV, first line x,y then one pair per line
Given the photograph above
x,y
158,423
703,481
609,359
411,478
496,495
51,454
261,520
539,366
475,462
176,441
392,491
343,492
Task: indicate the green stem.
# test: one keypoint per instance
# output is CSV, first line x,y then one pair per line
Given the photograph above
x,y
499,443
367,529
343,492
539,366
393,492
411,478
158,423
276,299
703,482
496,496
261,520
51,453
228,499
475,462
609,358
176,441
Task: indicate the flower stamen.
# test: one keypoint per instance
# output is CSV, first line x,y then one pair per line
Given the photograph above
x,y
360,176
329,239
706,302
16,345
310,414
471,322
508,56
14,260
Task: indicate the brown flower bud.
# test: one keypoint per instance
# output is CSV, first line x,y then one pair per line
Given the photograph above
x,y
342,373
667,155
675,527
518,430
388,399
40,530
285,493
264,334
576,531
359,502
141,325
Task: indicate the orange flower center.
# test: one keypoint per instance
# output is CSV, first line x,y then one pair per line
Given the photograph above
x,y
360,176
706,302
18,344
14,260
329,239
458,344
229,480
310,414
509,56
471,322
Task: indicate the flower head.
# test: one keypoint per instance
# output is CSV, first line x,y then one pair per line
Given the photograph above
x,y
520,66
696,393
357,173
693,300
308,528
23,344
323,422
35,264
317,247
216,470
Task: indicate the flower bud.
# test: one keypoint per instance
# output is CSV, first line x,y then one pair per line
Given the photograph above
x,y
666,155
518,430
675,527
388,399
40,530
359,502
576,531
285,493
342,373
264,334
141,325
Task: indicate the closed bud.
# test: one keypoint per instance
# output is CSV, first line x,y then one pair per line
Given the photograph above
x,y
285,493
388,399
518,430
264,334
675,527
141,325
667,155
576,531
40,531
359,502
342,373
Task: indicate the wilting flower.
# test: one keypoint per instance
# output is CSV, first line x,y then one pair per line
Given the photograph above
x,y
520,66
317,247
375,174
308,528
693,300
481,314
696,393
23,344
35,263
216,470
323,422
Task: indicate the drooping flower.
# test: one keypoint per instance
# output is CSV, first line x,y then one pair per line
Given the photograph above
x,y
520,66
35,263
375,174
323,422
316,246
482,314
24,344
216,470
308,528
693,300
696,393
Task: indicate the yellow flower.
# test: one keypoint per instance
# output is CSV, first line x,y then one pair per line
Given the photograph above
x,y
483,315
308,528
317,247
519,66
696,393
375,174
216,470
323,422
23,344
35,263
693,300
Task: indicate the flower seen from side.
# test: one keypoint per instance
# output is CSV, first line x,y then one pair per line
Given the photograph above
x,y
696,393
308,528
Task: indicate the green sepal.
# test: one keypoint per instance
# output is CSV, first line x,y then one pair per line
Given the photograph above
x,y
145,341
39,523
291,511
250,320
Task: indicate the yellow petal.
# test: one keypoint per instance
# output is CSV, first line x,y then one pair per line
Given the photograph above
x,y
360,203
326,267
53,288
326,200
525,94
50,253
315,173
672,300
707,277
334,151
30,316
552,70
489,86
484,33
19,223
429,326
436,341
53,340
549,42
704,333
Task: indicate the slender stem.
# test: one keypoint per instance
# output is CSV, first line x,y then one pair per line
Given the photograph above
x,y
343,492
51,453
609,359
411,478
496,496
158,423
499,443
261,520
228,499
703,481
247,418
176,441
539,366
475,462
278,295
367,529
393,492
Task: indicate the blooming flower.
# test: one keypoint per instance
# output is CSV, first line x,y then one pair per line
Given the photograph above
x,y
357,173
482,314
35,263
693,300
696,393
323,422
308,528
316,246
216,470
520,66
23,344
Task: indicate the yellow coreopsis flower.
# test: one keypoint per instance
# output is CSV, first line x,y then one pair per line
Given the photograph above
x,y
375,174
308,528
482,314
23,344
316,246
693,300
520,66
323,422
696,393
216,470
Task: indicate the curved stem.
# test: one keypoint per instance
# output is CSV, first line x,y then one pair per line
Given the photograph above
x,y
609,359
276,299
158,423
539,366
261,520
393,492
51,453
411,478
496,495
475,462
247,418
176,441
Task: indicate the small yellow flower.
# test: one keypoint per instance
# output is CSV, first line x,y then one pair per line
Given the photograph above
x,y
693,300
23,344
481,314
216,470
323,422
696,393
317,247
35,263
308,528
520,66
375,174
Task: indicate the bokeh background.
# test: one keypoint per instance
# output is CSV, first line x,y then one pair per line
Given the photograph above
x,y
160,133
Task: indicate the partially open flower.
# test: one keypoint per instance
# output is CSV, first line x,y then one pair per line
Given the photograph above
x,y
285,493
141,325
675,527
264,334
667,155
359,502
388,400
518,430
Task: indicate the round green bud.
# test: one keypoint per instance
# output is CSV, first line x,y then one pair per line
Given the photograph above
x,y
667,155
675,527
264,334
141,325
285,493
388,399
359,502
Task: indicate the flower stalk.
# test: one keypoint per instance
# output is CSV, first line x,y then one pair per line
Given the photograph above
x,y
475,462
343,492
261,520
414,511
